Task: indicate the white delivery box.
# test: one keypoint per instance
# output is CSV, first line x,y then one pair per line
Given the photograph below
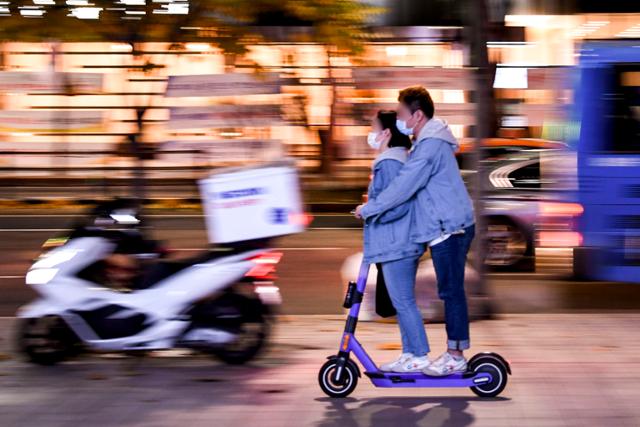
x,y
249,204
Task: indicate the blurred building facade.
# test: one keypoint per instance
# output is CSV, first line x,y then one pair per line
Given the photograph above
x,y
83,98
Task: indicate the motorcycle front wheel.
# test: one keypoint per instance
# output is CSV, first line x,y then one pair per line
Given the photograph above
x,y
46,340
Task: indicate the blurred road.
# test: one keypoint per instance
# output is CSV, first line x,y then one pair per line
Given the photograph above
x,y
572,365
309,274
569,370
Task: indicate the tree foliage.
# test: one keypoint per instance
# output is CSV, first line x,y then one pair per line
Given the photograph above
x,y
229,24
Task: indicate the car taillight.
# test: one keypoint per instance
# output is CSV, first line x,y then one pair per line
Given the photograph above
x,y
265,265
559,239
557,225
560,209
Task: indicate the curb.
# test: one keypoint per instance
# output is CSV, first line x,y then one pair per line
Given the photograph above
x,y
87,203
164,203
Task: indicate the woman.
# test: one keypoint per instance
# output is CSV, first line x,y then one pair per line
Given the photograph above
x,y
387,242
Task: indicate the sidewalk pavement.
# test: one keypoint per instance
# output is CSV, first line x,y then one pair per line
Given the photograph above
x,y
568,370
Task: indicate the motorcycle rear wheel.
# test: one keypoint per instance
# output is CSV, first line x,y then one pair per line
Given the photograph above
x,y
243,316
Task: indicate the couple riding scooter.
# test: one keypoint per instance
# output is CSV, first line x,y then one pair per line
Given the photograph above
x,y
442,219
416,201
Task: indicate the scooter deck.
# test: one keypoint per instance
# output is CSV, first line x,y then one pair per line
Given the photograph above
x,y
418,379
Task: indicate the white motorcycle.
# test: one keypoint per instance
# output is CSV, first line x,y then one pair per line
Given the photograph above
x,y
219,303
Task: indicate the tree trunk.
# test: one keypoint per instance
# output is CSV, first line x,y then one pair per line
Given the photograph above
x,y
327,142
138,155
476,28
135,139
3,59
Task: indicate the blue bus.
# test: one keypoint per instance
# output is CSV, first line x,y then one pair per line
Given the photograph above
x,y
607,108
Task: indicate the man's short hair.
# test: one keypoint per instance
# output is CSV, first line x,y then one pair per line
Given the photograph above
x,y
417,98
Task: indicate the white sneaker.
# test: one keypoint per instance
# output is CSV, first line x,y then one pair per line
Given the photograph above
x,y
404,358
415,364
446,365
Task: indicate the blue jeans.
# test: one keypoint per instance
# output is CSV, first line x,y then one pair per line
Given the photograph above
x,y
449,259
400,277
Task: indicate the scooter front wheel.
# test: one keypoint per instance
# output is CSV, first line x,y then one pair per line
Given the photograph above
x,y
494,367
326,378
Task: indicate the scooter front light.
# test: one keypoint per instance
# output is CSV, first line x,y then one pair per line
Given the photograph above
x,y
40,276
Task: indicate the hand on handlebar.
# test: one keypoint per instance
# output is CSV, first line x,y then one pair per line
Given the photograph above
x,y
356,211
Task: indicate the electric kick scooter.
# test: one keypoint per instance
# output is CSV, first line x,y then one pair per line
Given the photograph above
x,y
486,374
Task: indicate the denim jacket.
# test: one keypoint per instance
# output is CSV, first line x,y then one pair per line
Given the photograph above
x,y
430,180
387,237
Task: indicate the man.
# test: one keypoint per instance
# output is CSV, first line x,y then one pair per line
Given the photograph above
x,y
442,214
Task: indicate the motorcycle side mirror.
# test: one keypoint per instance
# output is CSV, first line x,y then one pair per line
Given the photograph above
x,y
125,217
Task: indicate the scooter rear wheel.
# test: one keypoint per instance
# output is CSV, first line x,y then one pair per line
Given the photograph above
x,y
328,384
498,372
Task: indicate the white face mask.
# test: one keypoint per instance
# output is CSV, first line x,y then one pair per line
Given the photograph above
x,y
402,127
372,140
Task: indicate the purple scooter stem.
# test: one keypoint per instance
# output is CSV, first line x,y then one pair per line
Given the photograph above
x,y
487,377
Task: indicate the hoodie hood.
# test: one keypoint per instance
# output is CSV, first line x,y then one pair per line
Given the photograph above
x,y
395,153
439,129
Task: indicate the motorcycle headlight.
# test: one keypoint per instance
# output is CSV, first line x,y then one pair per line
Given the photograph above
x,y
40,276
